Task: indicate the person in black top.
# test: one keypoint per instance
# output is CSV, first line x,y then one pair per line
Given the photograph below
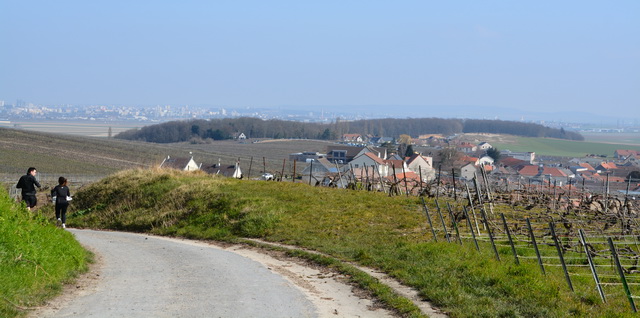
x,y
28,185
61,194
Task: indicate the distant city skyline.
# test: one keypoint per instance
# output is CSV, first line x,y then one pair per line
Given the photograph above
x,y
24,111
495,59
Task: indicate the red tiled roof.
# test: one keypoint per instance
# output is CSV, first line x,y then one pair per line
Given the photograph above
x,y
469,159
529,170
616,179
608,165
415,156
554,172
512,162
588,166
394,163
627,152
375,158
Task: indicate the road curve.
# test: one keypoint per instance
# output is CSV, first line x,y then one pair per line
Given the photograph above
x,y
147,276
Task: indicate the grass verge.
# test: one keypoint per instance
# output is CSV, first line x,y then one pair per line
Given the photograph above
x,y
370,229
36,258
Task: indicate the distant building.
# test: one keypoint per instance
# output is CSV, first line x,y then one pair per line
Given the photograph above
x,y
466,147
180,163
306,156
231,171
352,138
344,154
484,146
623,154
529,157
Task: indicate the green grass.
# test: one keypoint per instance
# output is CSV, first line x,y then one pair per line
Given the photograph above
x,y
631,139
371,229
36,258
561,148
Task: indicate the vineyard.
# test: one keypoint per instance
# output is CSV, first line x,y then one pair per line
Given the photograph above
x,y
585,233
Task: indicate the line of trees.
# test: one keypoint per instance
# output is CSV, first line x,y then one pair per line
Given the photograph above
x,y
227,128
518,129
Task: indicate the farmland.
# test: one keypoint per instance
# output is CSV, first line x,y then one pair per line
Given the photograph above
x,y
89,128
596,144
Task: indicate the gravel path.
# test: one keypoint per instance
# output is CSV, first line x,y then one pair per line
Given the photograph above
x,y
146,276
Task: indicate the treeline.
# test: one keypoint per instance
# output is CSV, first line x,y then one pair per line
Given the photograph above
x,y
518,129
228,128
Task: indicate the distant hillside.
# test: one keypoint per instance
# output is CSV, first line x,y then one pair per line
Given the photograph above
x,y
67,154
220,129
71,154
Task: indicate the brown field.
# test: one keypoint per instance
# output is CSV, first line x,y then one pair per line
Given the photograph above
x,y
88,128
62,154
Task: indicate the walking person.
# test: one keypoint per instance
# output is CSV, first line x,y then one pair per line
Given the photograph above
x,y
28,184
62,196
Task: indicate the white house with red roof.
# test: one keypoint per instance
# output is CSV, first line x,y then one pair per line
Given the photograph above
x,y
421,165
467,147
623,154
371,161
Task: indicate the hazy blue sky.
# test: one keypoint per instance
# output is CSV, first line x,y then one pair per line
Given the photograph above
x,y
542,55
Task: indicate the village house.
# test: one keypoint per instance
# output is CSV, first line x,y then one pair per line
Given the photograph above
x,y
607,166
396,165
352,138
529,171
379,141
484,146
587,166
468,171
485,161
623,154
467,159
231,171
344,154
306,156
318,170
529,157
180,163
422,165
371,162
466,147
512,162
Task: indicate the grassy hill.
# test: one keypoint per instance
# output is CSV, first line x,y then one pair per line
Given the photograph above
x,y
36,258
371,229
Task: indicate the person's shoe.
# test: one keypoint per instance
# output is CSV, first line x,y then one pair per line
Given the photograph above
x,y
64,226
58,222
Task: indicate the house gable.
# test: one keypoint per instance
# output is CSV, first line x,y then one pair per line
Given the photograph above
x,y
180,163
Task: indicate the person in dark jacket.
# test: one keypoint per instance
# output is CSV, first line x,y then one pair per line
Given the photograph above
x,y
62,195
28,184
